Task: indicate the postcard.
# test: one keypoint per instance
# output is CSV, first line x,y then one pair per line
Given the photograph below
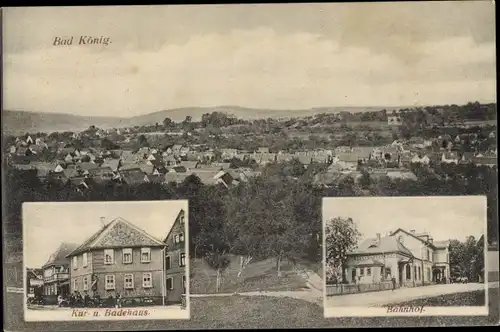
x,y
427,259
241,120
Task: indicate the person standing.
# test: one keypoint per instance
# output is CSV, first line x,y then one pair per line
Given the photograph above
x,y
393,283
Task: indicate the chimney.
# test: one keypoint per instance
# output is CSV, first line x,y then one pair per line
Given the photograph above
x,y
103,221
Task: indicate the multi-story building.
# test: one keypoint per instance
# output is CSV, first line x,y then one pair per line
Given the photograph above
x,y
120,259
175,260
412,259
56,271
34,282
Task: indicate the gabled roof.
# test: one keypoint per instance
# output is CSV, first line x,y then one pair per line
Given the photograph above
x,y
416,236
387,244
59,256
171,228
119,233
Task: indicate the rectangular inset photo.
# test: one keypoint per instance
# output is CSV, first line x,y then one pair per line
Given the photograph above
x,y
405,256
106,260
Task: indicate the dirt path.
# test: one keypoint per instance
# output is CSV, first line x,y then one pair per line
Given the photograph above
x,y
307,295
402,294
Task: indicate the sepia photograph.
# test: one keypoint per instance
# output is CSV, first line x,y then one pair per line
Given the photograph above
x,y
252,114
405,256
112,260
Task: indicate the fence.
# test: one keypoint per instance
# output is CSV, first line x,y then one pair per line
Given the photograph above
x,y
342,289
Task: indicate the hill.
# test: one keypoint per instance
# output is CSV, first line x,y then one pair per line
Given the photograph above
x,y
20,122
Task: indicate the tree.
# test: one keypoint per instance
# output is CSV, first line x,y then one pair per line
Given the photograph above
x,y
341,237
142,141
261,214
219,262
167,123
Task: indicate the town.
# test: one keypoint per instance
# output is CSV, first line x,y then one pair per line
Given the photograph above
x,y
221,149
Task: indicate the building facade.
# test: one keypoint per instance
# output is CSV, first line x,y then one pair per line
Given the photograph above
x,y
56,271
411,258
120,259
34,282
176,260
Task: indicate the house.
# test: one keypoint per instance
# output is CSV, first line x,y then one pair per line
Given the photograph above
x,y
120,259
150,178
420,159
412,259
175,260
56,271
189,165
394,120
263,150
34,282
29,140
131,176
229,153
176,149
449,157
12,149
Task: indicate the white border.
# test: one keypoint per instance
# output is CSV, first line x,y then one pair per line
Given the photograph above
x,y
370,311
155,313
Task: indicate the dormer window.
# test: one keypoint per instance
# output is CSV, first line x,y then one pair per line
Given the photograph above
x,y
182,220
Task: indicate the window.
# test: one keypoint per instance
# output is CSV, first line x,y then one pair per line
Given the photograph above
x,y
401,239
419,273
129,281
414,272
32,290
147,280
388,272
428,255
408,272
184,283
145,255
75,262
170,283
85,283
181,220
109,256
362,271
428,274
85,259
167,263
179,238
110,282
127,256
182,259
74,285
368,271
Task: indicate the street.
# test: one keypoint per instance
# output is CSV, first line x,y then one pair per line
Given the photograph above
x,y
373,299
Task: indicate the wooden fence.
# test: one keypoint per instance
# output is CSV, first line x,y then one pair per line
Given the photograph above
x,y
342,289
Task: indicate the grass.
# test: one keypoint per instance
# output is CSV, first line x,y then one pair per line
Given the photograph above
x,y
257,276
466,299
241,312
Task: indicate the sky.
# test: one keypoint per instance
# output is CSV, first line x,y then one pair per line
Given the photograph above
x,y
278,56
445,218
47,225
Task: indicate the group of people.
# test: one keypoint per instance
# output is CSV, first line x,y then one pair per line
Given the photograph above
x,y
76,300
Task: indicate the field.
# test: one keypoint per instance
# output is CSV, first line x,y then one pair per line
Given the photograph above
x,y
257,276
243,312
476,298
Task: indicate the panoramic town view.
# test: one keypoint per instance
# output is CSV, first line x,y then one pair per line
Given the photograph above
x,y
253,114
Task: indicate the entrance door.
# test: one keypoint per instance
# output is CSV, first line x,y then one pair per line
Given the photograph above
x,y
353,275
400,271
